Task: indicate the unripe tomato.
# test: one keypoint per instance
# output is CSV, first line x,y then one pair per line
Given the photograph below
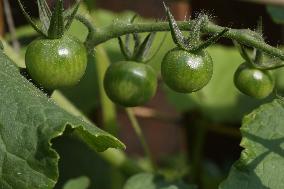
x,y
56,63
254,82
186,72
129,83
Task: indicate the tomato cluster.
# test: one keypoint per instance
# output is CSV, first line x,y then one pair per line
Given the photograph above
x,y
58,60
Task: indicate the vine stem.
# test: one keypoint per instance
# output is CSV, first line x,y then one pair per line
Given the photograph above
x,y
243,36
197,153
138,131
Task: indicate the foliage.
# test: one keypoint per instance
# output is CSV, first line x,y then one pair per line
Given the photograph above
x,y
34,129
261,163
32,121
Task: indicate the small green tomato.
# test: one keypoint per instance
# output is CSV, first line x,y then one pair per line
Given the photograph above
x,y
254,82
186,72
56,63
129,83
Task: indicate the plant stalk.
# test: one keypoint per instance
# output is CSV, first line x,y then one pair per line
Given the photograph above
x,y
102,62
243,36
197,151
135,125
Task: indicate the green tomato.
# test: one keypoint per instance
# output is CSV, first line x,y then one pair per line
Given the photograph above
x,y
254,82
56,63
129,83
186,72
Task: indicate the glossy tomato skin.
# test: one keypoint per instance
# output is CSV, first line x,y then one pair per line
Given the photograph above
x,y
129,83
254,82
186,72
56,63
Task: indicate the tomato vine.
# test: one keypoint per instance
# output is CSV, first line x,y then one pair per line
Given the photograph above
x,y
243,36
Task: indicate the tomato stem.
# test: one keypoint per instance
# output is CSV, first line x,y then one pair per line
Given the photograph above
x,y
91,30
197,151
246,37
138,131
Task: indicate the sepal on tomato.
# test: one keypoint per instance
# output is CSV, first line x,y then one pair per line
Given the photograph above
x,y
30,20
56,27
193,43
44,14
177,36
140,50
144,48
53,24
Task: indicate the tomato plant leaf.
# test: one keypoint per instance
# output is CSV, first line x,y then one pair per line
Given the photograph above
x,y
151,181
28,123
261,165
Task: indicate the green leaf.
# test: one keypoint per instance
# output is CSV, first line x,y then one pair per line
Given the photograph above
x,y
78,183
150,181
261,165
28,123
276,13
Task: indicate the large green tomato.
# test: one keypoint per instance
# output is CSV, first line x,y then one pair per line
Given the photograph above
x,y
186,72
129,83
254,82
56,63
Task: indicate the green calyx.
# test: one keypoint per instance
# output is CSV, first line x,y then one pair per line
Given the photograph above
x,y
192,43
141,49
256,60
52,24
